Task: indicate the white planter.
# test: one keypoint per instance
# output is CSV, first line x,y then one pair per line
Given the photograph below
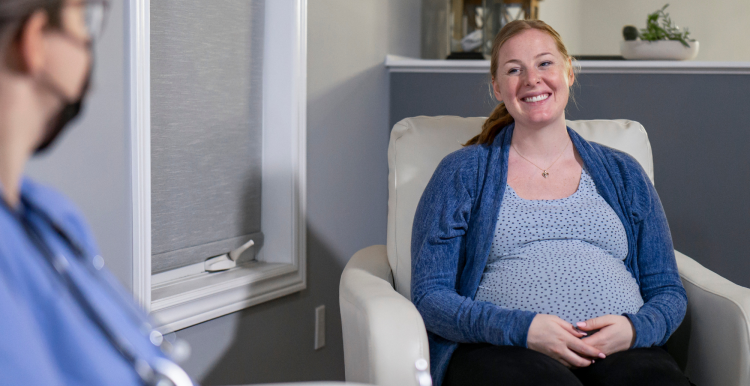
x,y
658,50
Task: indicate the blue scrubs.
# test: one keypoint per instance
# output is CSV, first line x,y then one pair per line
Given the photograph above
x,y
47,338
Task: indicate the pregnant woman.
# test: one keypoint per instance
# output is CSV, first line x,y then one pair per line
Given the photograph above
x,y
539,258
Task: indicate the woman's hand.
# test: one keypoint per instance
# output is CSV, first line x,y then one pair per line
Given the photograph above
x,y
556,338
616,333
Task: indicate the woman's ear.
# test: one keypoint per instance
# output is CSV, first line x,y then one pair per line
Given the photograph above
x,y
496,90
571,73
30,45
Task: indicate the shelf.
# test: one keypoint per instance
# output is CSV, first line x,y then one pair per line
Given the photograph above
x,y
403,64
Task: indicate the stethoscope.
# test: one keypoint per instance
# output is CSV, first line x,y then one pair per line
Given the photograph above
x,y
158,371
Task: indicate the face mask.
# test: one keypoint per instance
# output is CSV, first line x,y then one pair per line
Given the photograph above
x,y
68,113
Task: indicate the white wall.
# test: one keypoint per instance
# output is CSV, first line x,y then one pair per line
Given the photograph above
x,y
565,17
348,114
594,27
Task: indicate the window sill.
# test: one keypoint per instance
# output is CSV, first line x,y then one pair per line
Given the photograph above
x,y
179,302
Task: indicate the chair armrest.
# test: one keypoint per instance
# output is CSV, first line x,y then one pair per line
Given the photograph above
x,y
383,332
713,342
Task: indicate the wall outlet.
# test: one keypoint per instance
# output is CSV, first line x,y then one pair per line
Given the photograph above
x,y
320,327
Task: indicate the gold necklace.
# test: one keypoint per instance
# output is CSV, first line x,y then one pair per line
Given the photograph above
x,y
544,171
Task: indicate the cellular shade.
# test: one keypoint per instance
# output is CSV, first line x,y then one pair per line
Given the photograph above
x,y
206,128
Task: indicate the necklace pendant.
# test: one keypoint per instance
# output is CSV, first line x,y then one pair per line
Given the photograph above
x,y
544,173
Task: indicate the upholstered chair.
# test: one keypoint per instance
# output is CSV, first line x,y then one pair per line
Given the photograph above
x,y
383,332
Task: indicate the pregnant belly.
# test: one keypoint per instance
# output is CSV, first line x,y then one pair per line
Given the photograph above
x,y
568,278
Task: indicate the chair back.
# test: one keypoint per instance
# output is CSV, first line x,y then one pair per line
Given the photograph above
x,y
418,145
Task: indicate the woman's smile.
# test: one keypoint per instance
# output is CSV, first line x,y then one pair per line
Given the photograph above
x,y
536,99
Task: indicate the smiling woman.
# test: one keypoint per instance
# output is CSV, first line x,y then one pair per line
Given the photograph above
x,y
539,257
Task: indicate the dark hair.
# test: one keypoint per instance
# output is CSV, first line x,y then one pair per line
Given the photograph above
x,y
14,13
500,116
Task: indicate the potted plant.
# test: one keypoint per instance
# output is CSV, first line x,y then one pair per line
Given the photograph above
x,y
660,40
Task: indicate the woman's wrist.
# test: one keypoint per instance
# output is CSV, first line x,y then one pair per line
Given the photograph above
x,y
632,328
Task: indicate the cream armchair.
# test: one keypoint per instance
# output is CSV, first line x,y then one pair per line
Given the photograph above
x,y
383,332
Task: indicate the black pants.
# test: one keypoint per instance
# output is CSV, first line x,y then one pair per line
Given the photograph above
x,y
485,364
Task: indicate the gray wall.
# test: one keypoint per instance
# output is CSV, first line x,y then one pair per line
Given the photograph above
x,y
91,163
699,134
347,131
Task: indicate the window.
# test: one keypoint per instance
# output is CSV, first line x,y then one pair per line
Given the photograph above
x,y
206,126
218,138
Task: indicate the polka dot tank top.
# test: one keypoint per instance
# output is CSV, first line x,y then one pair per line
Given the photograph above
x,y
561,257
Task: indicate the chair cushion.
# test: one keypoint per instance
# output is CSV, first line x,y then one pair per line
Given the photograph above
x,y
418,145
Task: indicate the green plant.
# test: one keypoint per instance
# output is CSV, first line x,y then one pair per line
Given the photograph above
x,y
664,30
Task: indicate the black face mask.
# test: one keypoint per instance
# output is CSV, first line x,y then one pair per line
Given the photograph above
x,y
68,113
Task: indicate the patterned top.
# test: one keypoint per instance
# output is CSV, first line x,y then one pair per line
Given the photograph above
x,y
561,257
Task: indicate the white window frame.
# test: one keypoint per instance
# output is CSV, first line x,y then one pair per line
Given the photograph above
x,y
187,296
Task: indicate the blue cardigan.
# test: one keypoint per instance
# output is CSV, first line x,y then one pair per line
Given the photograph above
x,y
453,231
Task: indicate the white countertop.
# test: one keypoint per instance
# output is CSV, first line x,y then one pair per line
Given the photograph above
x,y
403,64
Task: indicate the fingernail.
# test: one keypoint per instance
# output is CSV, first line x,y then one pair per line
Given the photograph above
x,y
601,355
581,324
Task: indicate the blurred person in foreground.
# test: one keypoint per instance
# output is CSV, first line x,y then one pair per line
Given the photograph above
x,y
65,319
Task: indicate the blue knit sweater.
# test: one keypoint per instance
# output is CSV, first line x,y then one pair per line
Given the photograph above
x,y
453,231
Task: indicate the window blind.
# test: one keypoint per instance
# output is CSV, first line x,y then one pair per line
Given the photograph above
x,y
206,128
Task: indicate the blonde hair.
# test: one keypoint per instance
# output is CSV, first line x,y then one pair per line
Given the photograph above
x,y
500,116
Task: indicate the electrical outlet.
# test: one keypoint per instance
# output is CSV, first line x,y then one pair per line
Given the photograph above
x,y
320,327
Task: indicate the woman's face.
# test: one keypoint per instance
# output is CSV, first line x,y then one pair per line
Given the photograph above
x,y
533,79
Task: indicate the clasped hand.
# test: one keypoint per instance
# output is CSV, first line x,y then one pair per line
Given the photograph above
x,y
558,339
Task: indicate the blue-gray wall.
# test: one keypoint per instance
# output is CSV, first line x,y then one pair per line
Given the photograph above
x,y
699,133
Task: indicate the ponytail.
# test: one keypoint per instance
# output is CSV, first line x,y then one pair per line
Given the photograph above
x,y
499,118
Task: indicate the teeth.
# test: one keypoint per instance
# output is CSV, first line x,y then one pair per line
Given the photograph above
x,y
537,98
